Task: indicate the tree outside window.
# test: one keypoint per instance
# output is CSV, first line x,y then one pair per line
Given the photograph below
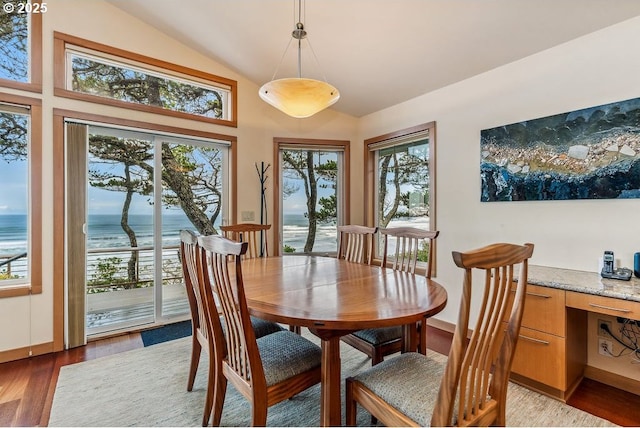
x,y
400,185
310,195
14,45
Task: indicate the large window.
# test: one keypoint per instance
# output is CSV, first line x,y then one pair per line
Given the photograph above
x,y
20,46
311,185
20,205
401,179
106,75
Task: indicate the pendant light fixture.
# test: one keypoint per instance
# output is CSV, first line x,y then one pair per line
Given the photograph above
x,y
296,96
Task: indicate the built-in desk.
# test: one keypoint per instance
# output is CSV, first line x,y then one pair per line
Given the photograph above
x,y
551,355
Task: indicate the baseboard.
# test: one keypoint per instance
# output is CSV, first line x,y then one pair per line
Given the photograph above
x,y
612,379
442,325
26,352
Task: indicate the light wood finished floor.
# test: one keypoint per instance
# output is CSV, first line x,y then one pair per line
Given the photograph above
x,y
27,386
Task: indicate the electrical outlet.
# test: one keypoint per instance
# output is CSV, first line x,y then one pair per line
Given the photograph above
x,y
601,331
605,347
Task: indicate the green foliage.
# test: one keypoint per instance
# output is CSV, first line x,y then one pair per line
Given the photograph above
x,y
127,84
107,272
288,249
329,209
5,275
423,253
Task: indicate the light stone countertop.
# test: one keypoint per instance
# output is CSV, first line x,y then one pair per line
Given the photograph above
x,y
584,282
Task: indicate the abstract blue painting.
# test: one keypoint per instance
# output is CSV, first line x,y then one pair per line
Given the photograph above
x,y
593,153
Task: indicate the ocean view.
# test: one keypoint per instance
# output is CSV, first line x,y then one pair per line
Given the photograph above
x,y
104,231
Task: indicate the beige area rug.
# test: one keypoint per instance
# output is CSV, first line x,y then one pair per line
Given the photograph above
x,y
147,387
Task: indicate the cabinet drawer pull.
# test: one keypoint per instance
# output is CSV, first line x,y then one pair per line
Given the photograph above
x,y
610,308
544,296
531,339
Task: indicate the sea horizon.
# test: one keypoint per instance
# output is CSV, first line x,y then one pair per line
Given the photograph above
x,y
104,231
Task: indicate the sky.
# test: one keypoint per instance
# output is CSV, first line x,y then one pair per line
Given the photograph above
x,y
13,198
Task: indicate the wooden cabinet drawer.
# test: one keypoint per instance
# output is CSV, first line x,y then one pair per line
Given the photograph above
x,y
544,309
604,305
541,357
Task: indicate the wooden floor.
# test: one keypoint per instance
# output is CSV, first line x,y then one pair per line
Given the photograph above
x,y
27,386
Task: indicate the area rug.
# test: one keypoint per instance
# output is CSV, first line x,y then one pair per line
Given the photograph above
x,y
148,387
166,333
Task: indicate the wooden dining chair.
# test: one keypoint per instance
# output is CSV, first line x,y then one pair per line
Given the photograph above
x,y
201,339
403,391
410,244
355,243
255,235
265,370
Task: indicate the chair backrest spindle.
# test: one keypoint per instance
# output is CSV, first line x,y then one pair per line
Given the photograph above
x,y
407,249
255,235
355,243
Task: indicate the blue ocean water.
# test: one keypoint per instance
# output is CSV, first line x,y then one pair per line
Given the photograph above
x,y
104,231
13,234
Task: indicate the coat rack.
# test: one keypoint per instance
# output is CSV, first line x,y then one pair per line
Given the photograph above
x,y
263,177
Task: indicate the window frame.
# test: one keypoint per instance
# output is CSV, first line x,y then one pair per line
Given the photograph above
x,y
35,59
63,41
278,144
34,159
400,137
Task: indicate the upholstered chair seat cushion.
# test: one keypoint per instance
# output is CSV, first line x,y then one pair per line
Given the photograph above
x,y
263,327
377,336
394,380
285,354
260,327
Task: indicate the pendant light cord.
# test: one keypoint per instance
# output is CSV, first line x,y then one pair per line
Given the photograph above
x,y
324,77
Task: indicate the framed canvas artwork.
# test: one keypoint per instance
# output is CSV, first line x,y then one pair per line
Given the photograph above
x,y
593,153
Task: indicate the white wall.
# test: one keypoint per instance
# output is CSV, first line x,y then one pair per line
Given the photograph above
x,y
595,69
31,318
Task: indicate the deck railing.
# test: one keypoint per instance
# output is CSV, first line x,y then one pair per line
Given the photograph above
x,y
13,266
111,269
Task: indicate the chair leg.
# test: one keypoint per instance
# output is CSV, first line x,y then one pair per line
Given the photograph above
x,y
295,328
422,337
208,402
376,357
351,407
218,398
258,413
195,359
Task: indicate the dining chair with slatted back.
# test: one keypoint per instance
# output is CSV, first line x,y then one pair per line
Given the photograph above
x,y
201,339
355,243
200,332
255,235
412,245
266,370
470,388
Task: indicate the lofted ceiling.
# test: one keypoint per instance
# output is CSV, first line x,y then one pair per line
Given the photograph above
x,y
378,53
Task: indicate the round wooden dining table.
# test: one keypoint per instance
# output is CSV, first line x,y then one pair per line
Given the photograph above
x,y
334,297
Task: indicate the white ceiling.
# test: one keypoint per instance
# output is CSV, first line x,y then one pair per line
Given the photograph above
x,y
377,52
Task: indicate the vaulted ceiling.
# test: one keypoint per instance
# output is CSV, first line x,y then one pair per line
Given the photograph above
x,y
376,52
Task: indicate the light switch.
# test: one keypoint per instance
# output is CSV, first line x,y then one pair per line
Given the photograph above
x,y
248,215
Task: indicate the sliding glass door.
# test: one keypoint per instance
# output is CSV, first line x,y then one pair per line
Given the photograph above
x,y
141,190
